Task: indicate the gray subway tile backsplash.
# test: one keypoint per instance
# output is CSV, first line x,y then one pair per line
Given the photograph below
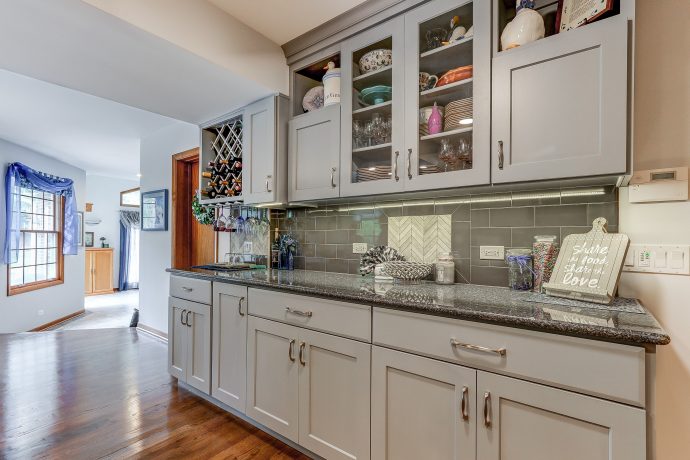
x,y
503,219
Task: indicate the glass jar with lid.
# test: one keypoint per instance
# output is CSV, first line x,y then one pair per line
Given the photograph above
x,y
445,269
520,269
545,253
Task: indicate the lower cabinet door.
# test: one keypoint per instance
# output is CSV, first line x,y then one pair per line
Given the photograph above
x,y
272,379
177,339
421,408
526,420
229,351
334,400
199,346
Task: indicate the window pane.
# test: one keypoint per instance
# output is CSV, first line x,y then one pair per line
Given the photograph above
x,y
25,203
41,273
38,194
49,223
41,240
52,240
20,260
38,206
26,191
41,256
51,272
29,274
29,240
25,222
52,255
49,208
16,276
29,257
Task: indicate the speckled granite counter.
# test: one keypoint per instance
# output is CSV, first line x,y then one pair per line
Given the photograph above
x,y
469,302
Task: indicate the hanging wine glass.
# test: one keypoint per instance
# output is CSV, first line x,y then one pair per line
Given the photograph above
x,y
220,223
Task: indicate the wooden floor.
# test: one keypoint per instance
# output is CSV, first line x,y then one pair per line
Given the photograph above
x,y
88,394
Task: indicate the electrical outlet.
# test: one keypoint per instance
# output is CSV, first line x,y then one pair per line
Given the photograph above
x,y
359,248
491,252
247,247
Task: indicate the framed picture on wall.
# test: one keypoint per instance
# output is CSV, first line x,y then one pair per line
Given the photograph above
x,y
88,239
154,211
80,214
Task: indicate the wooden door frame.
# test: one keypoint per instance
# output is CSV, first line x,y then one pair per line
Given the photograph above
x,y
181,227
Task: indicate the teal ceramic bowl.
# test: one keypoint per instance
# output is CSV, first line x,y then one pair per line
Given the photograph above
x,y
376,95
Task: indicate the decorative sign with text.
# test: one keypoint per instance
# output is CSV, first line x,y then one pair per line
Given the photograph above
x,y
589,265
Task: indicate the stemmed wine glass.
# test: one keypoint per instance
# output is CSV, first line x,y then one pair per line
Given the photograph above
x,y
220,223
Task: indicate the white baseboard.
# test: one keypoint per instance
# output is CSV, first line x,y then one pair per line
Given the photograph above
x,y
153,331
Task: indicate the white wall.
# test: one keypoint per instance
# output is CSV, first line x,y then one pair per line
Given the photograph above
x,y
20,312
104,193
155,247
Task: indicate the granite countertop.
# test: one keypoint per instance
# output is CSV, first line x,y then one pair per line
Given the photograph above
x,y
631,325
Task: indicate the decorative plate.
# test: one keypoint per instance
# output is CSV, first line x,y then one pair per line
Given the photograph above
x,y
375,95
377,255
407,271
461,73
313,100
375,60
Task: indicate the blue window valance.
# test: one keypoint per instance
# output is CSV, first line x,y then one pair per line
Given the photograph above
x,y
19,175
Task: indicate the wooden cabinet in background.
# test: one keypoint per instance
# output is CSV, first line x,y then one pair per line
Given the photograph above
x,y
98,271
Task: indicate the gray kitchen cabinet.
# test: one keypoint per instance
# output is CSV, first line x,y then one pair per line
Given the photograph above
x,y
189,352
272,376
314,155
424,168
229,350
334,404
560,105
519,419
422,408
265,151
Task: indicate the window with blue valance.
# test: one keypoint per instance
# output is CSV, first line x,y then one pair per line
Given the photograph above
x,y
20,175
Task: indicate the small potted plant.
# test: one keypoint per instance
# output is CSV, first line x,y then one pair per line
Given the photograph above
x,y
103,243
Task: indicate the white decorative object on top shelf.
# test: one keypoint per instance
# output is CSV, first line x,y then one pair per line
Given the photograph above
x,y
331,84
528,26
589,265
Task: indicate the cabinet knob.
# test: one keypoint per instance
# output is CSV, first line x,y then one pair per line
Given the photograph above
x,y
500,154
302,345
187,289
409,163
182,316
464,402
487,409
333,185
239,306
291,350
268,181
186,319
395,166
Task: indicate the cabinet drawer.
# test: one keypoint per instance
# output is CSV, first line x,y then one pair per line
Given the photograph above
x,y
339,318
603,369
191,289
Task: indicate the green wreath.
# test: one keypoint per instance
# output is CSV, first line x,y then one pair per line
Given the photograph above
x,y
205,215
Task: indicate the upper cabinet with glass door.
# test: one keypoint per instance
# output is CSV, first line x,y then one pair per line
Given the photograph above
x,y
447,94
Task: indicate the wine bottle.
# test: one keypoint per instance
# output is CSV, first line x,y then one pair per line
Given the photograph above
x,y
206,174
210,193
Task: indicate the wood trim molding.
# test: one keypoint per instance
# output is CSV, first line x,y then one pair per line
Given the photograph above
x,y
364,16
187,156
45,326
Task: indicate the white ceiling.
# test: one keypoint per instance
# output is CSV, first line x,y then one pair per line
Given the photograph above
x,y
95,134
283,20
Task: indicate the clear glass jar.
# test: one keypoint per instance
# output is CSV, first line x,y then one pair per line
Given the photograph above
x,y
445,269
520,272
545,253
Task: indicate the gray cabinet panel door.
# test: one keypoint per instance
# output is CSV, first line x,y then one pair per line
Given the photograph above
x,y
229,353
177,340
560,105
314,155
259,151
199,346
525,420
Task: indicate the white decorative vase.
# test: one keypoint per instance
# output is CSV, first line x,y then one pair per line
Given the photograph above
x,y
331,85
526,27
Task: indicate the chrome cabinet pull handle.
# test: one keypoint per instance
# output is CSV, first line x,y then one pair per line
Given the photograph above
x,y
187,289
268,179
395,166
409,163
186,319
464,402
301,353
239,306
181,315
333,178
487,413
291,350
500,154
307,314
498,351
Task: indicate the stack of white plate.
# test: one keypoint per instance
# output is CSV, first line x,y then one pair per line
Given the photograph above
x,y
373,173
458,114
427,168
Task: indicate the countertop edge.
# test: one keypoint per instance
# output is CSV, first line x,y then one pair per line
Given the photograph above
x,y
584,331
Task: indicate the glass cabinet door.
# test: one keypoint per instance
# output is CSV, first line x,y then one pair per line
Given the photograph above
x,y
372,101
447,95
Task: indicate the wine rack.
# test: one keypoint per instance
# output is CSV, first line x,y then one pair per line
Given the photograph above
x,y
221,175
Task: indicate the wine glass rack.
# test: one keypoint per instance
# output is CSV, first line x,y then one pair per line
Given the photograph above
x,y
222,176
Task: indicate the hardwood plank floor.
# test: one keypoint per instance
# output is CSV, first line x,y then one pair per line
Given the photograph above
x,y
88,394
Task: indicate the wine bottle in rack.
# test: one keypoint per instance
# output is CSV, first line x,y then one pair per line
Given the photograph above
x,y
206,174
209,193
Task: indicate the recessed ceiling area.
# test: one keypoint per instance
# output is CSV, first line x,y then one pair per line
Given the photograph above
x,y
97,135
282,20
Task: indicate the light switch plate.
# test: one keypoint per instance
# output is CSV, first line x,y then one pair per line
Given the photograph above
x,y
359,248
491,252
658,258
247,247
